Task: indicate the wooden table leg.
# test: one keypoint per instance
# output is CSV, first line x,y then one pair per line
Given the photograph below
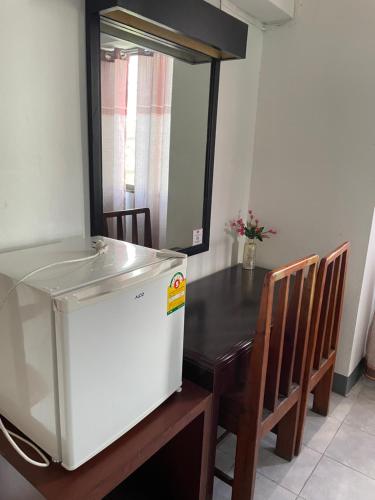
x,y
207,379
225,376
186,459
212,438
218,381
176,472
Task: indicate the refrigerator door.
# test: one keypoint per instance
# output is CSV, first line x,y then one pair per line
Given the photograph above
x,y
119,355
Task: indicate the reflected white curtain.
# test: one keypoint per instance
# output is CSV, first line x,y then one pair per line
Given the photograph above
x,y
153,140
114,76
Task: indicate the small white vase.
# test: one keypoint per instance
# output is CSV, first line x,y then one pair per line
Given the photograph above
x,y
249,254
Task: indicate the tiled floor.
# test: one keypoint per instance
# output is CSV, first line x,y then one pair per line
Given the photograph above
x,y
337,461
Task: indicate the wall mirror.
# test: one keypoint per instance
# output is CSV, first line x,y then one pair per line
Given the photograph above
x,y
152,94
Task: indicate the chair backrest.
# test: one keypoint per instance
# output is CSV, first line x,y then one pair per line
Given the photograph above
x,y
121,215
278,356
328,303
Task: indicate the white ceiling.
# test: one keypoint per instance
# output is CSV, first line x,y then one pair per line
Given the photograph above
x,y
267,11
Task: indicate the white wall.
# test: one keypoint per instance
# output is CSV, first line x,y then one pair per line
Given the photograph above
x,y
43,133
314,170
238,94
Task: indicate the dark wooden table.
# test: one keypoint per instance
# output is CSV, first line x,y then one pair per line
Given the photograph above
x,y
221,315
166,456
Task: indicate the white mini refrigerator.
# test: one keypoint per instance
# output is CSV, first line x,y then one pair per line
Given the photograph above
x,y
87,350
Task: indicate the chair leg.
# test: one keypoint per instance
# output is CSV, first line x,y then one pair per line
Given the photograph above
x,y
301,420
247,452
286,436
322,393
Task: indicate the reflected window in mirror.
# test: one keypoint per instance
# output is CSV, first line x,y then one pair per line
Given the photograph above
x,y
155,112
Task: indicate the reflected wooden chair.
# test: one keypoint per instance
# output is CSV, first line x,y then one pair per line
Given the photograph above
x,y
121,216
325,330
271,396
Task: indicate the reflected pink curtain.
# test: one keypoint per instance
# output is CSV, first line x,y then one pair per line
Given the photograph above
x,y
153,140
114,76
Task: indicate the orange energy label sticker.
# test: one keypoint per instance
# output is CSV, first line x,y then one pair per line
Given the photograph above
x,y
176,293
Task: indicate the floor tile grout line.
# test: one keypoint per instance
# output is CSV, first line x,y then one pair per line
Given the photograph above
x,y
325,449
358,428
333,437
324,454
341,424
330,442
321,456
325,419
336,460
312,472
353,402
350,467
270,479
296,458
278,484
367,398
338,419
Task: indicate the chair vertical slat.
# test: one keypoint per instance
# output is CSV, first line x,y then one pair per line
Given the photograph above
x,y
304,325
340,297
259,352
271,394
148,233
323,319
332,308
120,230
134,229
105,227
316,313
291,333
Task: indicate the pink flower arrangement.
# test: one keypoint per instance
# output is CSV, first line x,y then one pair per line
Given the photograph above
x,y
252,229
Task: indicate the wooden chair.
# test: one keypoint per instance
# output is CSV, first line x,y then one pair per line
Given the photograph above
x,y
134,212
325,329
272,391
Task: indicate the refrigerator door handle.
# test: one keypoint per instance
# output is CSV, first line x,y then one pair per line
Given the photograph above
x,y
171,253
96,292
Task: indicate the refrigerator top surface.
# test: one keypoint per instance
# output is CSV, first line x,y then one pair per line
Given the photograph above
x,y
120,257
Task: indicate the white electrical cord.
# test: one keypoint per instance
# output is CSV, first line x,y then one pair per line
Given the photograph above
x,y
8,435
101,248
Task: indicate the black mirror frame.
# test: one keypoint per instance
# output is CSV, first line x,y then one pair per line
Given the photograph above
x,y
95,137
